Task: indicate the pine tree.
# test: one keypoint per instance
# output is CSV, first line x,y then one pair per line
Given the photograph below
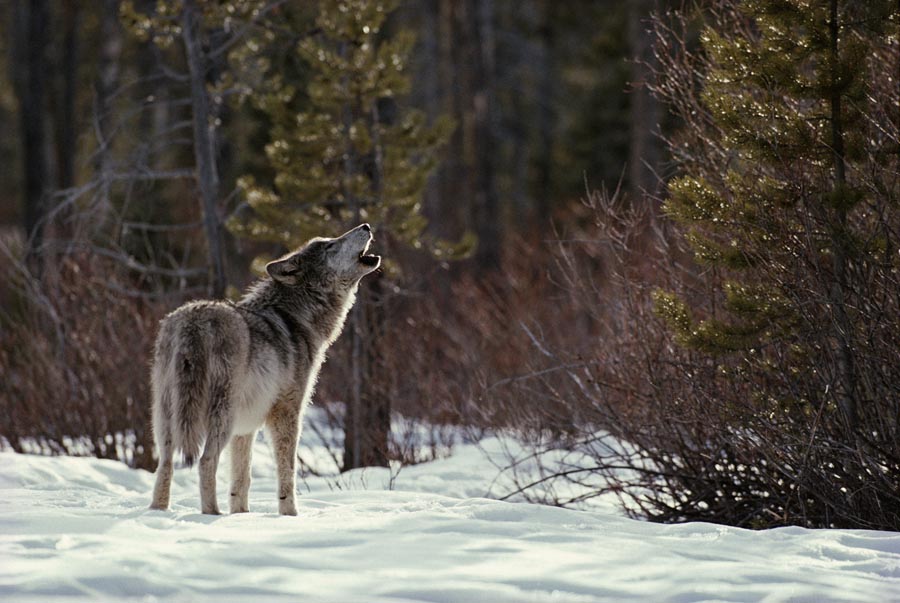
x,y
345,153
350,154
788,90
790,202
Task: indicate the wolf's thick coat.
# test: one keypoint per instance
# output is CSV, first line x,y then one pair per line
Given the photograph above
x,y
221,370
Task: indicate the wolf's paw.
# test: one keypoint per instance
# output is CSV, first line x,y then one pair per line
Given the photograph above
x,y
287,507
287,504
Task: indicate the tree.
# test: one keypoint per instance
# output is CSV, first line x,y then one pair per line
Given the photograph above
x,y
345,154
107,79
204,142
479,42
207,32
646,113
32,20
788,201
65,96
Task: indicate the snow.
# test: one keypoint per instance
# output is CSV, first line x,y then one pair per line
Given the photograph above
x,y
77,529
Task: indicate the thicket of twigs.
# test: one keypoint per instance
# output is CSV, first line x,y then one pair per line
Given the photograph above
x,y
74,354
694,437
718,430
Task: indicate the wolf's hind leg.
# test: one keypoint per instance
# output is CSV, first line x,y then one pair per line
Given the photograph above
x,y
218,431
284,429
162,431
163,485
241,452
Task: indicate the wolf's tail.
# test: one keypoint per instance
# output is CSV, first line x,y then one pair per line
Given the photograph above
x,y
190,402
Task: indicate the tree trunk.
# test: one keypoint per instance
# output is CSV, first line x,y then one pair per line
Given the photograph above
x,y
107,78
450,217
65,114
31,34
204,149
486,211
155,115
375,440
644,149
367,425
846,387
429,94
546,118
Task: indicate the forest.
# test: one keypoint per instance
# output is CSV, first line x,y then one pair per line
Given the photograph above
x,y
674,224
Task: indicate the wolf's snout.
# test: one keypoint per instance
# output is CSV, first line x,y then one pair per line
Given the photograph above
x,y
371,261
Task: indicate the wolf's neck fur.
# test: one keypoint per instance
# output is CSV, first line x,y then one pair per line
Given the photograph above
x,y
320,314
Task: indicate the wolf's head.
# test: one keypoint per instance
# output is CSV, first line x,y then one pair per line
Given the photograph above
x,y
333,263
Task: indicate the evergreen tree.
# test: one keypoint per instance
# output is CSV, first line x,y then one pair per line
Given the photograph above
x,y
349,154
789,224
346,153
789,200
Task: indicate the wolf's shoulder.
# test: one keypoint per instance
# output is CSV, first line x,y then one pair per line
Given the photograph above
x,y
202,307
211,314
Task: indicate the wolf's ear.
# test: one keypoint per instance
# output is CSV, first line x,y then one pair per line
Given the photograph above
x,y
284,270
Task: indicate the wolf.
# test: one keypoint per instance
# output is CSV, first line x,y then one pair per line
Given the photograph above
x,y
221,370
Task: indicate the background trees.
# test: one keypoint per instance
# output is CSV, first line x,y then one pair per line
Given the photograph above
x,y
742,340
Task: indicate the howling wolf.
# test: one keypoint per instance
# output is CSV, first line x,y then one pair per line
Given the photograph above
x,y
221,370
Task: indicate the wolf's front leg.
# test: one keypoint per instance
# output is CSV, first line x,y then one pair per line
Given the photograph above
x,y
241,450
284,428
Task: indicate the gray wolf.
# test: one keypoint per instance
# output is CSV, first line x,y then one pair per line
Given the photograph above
x,y
221,370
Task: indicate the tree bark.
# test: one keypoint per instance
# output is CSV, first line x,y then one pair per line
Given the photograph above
x,y
644,149
546,117
353,413
846,388
375,440
204,149
367,424
32,24
486,211
429,91
65,114
451,214
107,78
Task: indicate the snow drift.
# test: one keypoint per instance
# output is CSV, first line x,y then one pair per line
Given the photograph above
x,y
77,529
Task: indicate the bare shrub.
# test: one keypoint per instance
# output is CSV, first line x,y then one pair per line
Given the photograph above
x,y
73,360
753,436
674,434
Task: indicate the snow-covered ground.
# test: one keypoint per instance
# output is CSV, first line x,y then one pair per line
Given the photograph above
x,y
79,529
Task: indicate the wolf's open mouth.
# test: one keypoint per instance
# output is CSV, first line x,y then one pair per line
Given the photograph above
x,y
368,259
